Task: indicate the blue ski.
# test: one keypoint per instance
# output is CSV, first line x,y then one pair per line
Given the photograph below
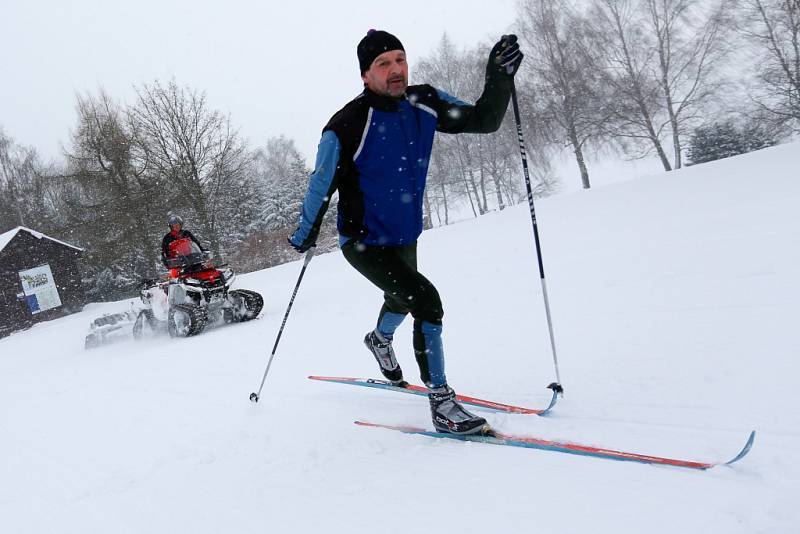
x,y
497,438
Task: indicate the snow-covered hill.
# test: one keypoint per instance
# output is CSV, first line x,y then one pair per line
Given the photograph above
x,y
674,300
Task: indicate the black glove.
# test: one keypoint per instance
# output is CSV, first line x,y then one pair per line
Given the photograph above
x,y
302,248
505,57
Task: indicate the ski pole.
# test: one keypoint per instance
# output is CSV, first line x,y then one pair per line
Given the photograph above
x,y
309,254
555,386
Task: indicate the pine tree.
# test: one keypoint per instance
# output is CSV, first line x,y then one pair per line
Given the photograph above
x,y
283,175
725,139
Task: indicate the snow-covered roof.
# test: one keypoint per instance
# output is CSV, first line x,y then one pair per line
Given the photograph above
x,y
6,237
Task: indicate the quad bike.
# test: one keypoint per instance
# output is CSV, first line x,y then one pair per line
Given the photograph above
x,y
197,295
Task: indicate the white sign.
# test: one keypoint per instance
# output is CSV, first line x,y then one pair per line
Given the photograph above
x,y
40,289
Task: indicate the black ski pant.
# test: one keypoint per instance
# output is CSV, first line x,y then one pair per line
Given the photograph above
x,y
405,290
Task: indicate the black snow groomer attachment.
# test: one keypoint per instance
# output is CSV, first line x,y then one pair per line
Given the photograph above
x,y
197,296
110,328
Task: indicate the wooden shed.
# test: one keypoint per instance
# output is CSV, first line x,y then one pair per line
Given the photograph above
x,y
39,279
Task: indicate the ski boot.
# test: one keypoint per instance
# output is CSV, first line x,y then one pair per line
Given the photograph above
x,y
381,348
450,417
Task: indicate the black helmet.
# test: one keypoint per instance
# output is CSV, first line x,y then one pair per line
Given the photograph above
x,y
173,220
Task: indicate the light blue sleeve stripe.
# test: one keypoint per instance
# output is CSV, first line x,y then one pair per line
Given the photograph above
x,y
450,99
319,185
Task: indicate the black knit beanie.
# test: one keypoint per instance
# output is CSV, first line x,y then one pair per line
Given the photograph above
x,y
375,43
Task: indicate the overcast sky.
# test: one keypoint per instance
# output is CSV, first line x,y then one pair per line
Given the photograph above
x,y
277,67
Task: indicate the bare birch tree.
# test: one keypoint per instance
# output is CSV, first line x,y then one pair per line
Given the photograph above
x,y
686,36
451,165
637,110
774,26
565,75
482,170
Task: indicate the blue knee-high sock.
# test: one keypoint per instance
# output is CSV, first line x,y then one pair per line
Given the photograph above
x,y
388,323
434,352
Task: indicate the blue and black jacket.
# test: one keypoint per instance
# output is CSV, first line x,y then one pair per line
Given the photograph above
x,y
376,151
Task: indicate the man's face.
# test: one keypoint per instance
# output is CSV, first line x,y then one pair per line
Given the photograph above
x,y
388,74
176,227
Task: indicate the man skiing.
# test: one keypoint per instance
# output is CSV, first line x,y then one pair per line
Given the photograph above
x,y
176,232
375,151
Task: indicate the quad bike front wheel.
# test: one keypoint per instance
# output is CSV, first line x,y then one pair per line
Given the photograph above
x,y
92,341
146,324
186,320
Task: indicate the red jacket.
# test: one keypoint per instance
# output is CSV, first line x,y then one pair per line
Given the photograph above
x,y
174,236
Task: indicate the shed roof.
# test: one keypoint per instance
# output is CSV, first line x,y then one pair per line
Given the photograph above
x,y
6,237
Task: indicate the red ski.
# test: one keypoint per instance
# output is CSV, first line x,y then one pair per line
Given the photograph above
x,y
496,438
419,390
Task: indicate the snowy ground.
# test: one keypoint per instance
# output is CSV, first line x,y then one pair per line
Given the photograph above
x,y
675,306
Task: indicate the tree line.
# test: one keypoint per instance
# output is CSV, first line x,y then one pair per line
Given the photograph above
x,y
127,167
644,78
670,79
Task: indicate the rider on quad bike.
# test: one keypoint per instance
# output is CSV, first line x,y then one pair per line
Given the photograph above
x,y
168,244
198,292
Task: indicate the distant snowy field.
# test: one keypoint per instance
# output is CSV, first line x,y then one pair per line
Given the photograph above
x,y
675,303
